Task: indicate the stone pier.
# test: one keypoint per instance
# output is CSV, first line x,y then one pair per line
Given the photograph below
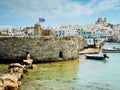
x,y
94,50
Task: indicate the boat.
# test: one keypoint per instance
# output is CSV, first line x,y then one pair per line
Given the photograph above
x,y
111,50
97,57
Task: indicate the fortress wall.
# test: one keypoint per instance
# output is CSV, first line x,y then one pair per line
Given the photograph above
x,y
42,49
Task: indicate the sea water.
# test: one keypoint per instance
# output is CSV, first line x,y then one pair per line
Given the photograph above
x,y
79,74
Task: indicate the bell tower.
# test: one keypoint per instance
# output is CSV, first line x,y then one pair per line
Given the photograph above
x,y
37,30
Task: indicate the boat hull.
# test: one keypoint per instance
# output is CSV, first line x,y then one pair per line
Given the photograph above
x,y
111,50
95,57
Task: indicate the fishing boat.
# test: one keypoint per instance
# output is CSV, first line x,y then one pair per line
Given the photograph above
x,y
111,50
97,57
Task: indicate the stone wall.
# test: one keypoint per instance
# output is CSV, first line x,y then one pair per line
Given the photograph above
x,y
42,49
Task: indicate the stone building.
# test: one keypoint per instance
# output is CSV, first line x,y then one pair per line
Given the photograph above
x,y
45,47
29,31
101,21
47,32
42,49
37,30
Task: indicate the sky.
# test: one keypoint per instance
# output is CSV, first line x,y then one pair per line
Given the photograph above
x,y
22,13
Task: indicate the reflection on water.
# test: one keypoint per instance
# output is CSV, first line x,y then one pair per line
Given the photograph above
x,y
51,76
79,74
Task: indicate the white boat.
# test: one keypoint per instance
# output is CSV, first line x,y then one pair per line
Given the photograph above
x,y
111,50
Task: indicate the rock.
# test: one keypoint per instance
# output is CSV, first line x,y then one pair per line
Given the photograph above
x,y
17,70
12,65
9,82
34,66
1,85
28,63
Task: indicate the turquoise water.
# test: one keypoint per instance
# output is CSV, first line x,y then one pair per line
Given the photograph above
x,y
80,74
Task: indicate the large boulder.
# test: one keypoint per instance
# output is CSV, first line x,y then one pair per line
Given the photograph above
x,y
9,82
17,70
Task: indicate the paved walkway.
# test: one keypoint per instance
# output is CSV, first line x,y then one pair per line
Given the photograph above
x,y
90,51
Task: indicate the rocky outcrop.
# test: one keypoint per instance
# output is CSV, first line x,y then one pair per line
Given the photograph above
x,y
17,70
8,82
12,79
42,49
28,63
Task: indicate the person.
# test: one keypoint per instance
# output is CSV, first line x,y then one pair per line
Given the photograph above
x,y
105,56
27,55
94,42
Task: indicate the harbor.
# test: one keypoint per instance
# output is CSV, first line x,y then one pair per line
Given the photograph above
x,y
78,74
58,63
59,45
50,74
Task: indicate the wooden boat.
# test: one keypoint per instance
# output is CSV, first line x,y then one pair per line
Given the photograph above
x,y
111,50
96,57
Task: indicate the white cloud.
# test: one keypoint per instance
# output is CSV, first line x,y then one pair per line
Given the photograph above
x,y
54,8
105,5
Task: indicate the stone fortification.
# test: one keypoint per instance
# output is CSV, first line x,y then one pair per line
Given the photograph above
x,y
41,49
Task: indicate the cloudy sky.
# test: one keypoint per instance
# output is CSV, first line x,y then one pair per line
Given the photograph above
x,y
22,13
